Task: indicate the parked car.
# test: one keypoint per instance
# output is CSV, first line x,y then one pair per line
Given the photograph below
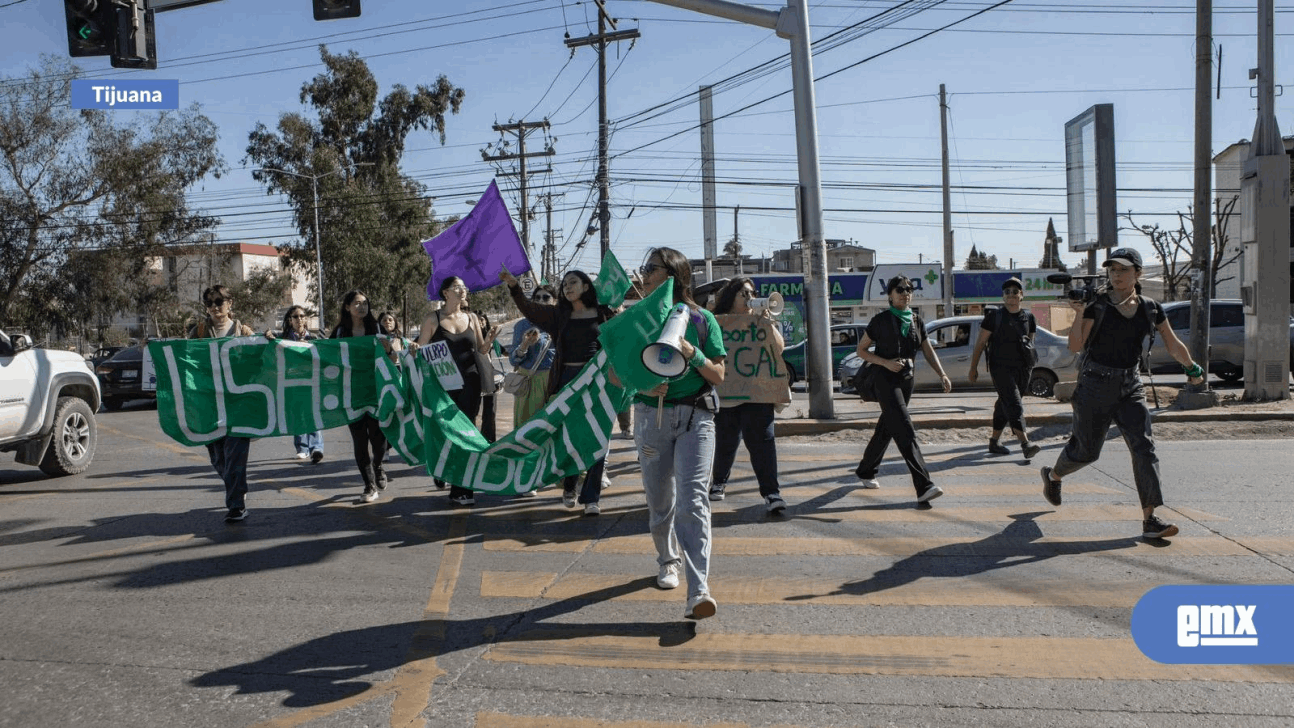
x,y
1226,339
102,354
120,378
954,340
47,404
844,341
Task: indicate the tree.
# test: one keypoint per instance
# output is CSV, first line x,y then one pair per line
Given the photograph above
x,y
1220,257
980,261
732,248
1169,246
260,294
74,180
372,218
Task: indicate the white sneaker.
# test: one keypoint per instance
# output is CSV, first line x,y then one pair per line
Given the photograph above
x,y
606,480
530,494
302,455
592,509
872,484
668,576
700,607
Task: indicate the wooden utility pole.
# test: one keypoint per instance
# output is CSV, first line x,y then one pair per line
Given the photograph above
x,y
521,128
600,41
948,208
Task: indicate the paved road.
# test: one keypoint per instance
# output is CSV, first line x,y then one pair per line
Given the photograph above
x,y
128,602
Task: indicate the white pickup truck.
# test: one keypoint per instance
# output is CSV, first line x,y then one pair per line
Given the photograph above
x,y
47,403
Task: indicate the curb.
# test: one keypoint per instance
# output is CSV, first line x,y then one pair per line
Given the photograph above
x,y
802,427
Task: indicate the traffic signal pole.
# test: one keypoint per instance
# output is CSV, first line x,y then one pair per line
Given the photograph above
x,y
792,23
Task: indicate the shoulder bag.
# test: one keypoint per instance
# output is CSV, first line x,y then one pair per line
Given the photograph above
x,y
517,381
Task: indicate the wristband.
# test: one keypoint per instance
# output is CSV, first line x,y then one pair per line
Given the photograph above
x,y
698,359
1193,371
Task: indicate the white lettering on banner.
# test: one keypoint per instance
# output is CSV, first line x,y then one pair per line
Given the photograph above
x,y
183,421
236,388
218,381
312,383
384,367
346,372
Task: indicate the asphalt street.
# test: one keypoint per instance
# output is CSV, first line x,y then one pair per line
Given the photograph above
x,y
127,601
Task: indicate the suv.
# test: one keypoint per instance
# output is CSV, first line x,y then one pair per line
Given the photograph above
x,y
1226,339
47,403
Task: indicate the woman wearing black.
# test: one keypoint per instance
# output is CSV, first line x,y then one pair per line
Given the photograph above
x,y
365,433
455,325
1008,333
574,324
898,333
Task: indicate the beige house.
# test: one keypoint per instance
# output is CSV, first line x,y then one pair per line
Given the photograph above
x,y
1227,167
843,256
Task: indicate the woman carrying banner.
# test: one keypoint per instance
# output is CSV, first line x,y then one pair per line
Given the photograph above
x,y
574,323
898,333
295,329
489,418
365,433
748,421
455,325
675,433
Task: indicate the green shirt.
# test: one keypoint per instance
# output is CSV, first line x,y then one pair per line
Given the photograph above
x,y
690,382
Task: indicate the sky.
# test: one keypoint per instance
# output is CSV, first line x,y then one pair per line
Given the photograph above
x,y
1014,75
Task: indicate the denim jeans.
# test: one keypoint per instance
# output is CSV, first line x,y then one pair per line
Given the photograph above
x,y
229,458
1105,395
676,459
308,443
751,423
1011,383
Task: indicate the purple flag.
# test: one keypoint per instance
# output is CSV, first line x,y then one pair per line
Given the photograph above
x,y
477,247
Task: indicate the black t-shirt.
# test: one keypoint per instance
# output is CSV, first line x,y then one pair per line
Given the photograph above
x,y
579,341
884,329
1004,347
1121,340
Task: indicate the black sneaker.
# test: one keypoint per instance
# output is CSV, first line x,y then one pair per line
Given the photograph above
x,y
316,456
1030,450
716,491
930,493
237,514
1153,527
774,504
1050,488
995,448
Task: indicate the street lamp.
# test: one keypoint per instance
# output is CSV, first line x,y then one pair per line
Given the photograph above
x,y
314,191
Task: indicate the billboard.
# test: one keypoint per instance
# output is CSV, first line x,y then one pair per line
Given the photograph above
x,y
1089,179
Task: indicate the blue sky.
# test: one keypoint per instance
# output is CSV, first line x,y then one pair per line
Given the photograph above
x,y
1014,76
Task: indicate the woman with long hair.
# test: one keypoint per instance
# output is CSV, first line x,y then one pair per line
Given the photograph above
x,y
296,328
455,325
898,334
365,433
532,351
751,422
675,434
574,323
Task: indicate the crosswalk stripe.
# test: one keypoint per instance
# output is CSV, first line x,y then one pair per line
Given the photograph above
x,y
499,720
985,590
889,510
914,655
724,545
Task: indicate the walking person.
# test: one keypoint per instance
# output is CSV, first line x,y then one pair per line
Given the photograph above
x,y
574,323
228,454
1008,333
898,334
533,352
1110,334
489,387
365,432
455,325
295,328
675,434
748,421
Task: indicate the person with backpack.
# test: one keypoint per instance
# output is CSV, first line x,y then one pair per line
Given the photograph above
x,y
1008,333
899,333
1110,334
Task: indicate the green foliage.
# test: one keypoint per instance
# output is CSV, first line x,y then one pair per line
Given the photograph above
x,y
371,217
76,180
980,261
260,296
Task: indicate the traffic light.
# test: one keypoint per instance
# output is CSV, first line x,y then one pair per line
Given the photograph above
x,y
91,27
333,9
135,37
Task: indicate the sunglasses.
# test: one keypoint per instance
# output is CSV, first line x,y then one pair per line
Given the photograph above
x,y
1012,292
297,316
214,303
647,268
544,298
903,289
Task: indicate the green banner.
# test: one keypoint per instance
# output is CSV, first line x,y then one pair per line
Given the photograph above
x,y
612,283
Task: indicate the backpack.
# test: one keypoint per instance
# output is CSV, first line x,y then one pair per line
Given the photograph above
x,y
1028,353
864,380
1103,304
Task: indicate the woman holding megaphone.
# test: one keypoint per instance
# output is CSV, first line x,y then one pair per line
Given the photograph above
x,y
574,323
674,431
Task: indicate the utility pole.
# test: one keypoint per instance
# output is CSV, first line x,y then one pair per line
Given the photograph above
x,y
709,215
521,129
948,209
548,260
600,41
1203,209
736,239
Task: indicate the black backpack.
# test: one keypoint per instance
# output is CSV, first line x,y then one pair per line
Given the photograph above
x,y
1024,342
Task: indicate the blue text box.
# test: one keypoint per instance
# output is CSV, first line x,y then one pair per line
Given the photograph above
x,y
126,95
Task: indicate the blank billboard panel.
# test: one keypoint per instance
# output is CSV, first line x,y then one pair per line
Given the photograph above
x,y
1089,179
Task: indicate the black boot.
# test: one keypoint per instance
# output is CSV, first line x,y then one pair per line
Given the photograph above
x,y
370,489
379,477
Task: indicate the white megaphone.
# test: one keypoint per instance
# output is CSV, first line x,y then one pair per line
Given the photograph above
x,y
664,358
773,304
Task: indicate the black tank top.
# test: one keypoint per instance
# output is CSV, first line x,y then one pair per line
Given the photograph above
x,y
462,346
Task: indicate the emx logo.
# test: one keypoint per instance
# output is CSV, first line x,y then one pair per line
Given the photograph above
x,y
1219,625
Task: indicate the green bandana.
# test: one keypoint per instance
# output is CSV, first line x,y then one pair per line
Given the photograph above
x,y
905,317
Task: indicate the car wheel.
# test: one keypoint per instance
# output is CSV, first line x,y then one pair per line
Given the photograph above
x,y
790,375
1042,383
1231,376
72,446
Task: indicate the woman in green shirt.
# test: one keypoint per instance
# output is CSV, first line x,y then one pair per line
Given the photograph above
x,y
674,431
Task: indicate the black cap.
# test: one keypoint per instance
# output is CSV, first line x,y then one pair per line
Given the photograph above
x,y
1012,282
1123,256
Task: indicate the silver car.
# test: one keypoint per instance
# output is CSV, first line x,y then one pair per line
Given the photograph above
x,y
954,339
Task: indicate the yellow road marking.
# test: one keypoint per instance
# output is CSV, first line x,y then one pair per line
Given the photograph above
x,y
985,590
166,443
946,510
795,493
926,656
103,554
499,720
724,545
